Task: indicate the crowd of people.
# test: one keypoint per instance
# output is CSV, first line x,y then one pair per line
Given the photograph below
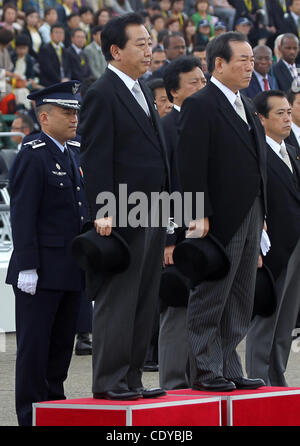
x,y
46,42
245,54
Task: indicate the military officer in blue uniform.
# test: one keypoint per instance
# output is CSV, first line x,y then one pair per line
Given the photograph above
x,y
47,212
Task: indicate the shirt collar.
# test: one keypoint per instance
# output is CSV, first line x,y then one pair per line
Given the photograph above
x,y
177,107
77,50
59,145
230,95
274,145
128,81
296,130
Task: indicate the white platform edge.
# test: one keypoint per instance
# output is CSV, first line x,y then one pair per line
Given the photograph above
x,y
127,407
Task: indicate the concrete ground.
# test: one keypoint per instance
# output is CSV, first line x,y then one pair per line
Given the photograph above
x,y
78,383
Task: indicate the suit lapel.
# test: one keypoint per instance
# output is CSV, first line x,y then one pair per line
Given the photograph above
x,y
134,108
282,171
235,121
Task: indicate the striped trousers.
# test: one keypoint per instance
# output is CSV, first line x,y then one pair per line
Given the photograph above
x,y
219,312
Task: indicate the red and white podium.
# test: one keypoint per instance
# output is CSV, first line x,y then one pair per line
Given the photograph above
x,y
266,406
168,410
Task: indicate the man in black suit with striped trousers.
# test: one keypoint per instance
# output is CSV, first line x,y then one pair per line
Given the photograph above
x,y
122,143
228,164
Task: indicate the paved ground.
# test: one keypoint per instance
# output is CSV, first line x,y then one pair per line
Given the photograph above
x,y
78,384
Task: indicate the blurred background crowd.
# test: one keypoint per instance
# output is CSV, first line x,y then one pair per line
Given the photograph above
x,y
43,42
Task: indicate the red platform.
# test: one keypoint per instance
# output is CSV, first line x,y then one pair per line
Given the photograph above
x,y
169,410
266,406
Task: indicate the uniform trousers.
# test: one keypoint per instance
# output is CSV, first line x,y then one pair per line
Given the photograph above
x,y
45,331
123,315
219,312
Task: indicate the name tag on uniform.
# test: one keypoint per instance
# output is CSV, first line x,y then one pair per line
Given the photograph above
x,y
59,173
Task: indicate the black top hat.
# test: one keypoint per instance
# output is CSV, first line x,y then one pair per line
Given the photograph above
x,y
201,259
107,254
174,287
265,298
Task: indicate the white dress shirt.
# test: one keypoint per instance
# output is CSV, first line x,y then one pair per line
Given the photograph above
x,y
177,107
230,95
274,146
128,81
260,79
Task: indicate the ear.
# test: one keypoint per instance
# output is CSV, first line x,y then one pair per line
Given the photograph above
x,y
174,94
262,119
219,64
115,52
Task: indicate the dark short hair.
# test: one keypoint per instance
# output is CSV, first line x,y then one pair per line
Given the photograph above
x,y
73,14
74,31
288,36
85,9
184,64
48,10
114,32
168,37
261,100
153,84
27,121
6,36
97,29
22,40
291,95
220,47
57,25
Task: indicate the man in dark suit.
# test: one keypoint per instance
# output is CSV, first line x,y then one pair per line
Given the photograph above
x,y
230,171
276,11
78,61
290,21
269,338
261,79
174,46
53,59
294,137
285,70
122,142
47,212
182,78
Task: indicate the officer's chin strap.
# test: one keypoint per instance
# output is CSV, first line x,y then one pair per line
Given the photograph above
x,y
171,226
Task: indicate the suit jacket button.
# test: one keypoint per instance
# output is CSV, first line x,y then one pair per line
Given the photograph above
x,y
61,184
78,188
79,203
81,218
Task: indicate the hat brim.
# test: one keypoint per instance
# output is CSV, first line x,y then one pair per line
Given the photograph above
x,y
192,258
107,254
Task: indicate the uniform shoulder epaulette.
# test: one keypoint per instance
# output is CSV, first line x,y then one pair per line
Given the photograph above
x,y
73,143
35,143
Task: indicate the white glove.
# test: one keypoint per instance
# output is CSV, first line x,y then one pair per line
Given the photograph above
x,y
27,281
265,243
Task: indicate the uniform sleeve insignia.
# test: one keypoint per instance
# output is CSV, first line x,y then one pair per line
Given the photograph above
x,y
74,143
75,88
35,143
81,172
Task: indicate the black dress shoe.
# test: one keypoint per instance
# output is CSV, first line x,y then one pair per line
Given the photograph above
x,y
83,344
117,395
150,393
219,384
246,383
